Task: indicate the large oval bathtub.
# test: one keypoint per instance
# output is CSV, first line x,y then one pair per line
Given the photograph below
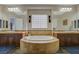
x,y
39,44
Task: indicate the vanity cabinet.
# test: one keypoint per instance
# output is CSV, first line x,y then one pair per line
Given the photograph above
x,y
68,39
10,39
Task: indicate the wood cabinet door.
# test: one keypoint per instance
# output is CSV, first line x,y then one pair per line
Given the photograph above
x,y
10,39
75,39
17,39
61,39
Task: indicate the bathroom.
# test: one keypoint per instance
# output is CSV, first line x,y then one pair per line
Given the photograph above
x,y
20,21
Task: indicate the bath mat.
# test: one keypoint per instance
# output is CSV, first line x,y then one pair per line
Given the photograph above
x,y
72,50
6,49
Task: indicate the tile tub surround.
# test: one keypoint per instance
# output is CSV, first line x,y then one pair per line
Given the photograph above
x,y
40,32
39,46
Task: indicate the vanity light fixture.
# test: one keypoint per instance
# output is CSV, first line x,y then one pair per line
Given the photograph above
x,y
14,9
66,9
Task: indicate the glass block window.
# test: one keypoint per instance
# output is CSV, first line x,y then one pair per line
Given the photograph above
x,y
39,21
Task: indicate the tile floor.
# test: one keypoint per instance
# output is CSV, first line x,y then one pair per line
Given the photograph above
x,y
18,51
62,50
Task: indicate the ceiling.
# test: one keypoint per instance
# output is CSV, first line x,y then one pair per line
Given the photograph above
x,y
25,7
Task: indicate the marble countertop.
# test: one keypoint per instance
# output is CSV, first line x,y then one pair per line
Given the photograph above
x,y
10,32
66,32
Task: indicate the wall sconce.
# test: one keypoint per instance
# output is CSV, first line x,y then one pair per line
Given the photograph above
x,y
29,19
49,19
